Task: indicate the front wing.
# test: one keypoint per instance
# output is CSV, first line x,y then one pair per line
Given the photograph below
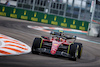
x,y
59,53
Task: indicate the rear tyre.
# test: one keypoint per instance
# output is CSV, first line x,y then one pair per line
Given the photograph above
x,y
36,44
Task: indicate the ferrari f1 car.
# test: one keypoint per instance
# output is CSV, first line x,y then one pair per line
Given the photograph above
x,y
58,44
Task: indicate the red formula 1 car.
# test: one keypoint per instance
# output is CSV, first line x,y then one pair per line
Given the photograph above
x,y
58,44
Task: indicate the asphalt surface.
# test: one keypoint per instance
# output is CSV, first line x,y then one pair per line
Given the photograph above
x,y
18,29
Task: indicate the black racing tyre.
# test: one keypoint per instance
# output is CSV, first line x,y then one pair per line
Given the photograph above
x,y
98,35
72,51
79,49
36,44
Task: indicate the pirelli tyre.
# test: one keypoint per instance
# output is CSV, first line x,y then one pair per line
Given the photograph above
x,y
75,50
80,48
37,43
72,51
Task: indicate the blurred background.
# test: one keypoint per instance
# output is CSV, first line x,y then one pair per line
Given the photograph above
x,y
74,9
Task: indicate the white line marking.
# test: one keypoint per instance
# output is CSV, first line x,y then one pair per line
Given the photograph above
x,y
87,40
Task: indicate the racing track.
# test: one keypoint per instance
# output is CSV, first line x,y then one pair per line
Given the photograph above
x,y
18,29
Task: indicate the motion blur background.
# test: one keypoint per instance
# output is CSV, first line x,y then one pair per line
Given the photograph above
x,y
74,9
78,9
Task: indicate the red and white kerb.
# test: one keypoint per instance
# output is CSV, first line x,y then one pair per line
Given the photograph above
x,y
10,46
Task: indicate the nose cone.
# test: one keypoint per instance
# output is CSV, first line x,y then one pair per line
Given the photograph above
x,y
53,52
55,45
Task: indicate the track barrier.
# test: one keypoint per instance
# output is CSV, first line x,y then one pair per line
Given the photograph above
x,y
43,18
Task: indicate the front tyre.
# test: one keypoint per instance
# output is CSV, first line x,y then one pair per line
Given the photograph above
x,y
76,50
80,50
37,43
72,51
